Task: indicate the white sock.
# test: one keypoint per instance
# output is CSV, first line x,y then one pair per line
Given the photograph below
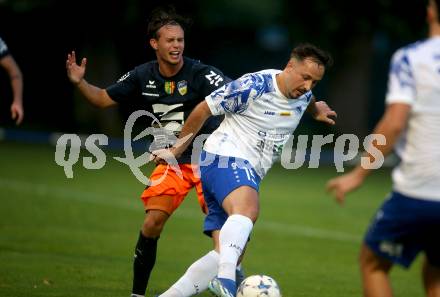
x,y
196,277
233,238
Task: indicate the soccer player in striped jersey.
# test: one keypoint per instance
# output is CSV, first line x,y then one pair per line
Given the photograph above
x,y
262,110
408,222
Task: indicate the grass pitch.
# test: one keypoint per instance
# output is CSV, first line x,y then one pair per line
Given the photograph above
x,y
75,237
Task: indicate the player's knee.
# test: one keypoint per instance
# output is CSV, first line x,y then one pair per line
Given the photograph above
x,y
254,216
154,223
250,211
370,262
366,258
253,212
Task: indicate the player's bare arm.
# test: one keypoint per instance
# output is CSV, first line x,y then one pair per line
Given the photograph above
x,y
16,78
391,126
76,72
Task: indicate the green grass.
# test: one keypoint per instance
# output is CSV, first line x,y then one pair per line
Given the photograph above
x,y
75,237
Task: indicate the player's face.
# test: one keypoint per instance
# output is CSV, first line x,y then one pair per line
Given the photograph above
x,y
302,76
170,44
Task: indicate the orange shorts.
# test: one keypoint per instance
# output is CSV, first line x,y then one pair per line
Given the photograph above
x,y
170,193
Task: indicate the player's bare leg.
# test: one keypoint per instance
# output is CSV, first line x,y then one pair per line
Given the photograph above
x,y
154,222
431,279
374,270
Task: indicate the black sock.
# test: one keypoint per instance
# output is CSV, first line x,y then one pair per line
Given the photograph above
x,y
144,259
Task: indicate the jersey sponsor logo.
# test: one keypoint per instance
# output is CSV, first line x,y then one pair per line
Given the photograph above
x,y
166,114
124,77
182,87
277,149
169,87
150,94
214,78
151,84
281,113
262,133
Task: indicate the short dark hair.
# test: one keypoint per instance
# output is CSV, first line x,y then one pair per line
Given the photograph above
x,y
165,15
309,51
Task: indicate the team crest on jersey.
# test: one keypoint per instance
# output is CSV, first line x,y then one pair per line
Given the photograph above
x,y
182,87
169,87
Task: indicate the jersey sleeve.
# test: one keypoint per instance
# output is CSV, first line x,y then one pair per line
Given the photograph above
x,y
125,88
236,96
401,84
209,79
4,51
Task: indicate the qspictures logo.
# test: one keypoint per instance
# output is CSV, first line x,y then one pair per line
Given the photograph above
x,y
346,148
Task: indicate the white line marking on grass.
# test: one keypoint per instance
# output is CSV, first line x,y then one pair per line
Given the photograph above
x,y
43,190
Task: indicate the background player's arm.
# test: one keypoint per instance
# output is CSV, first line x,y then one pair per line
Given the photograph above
x,y
97,96
15,76
192,126
391,126
320,111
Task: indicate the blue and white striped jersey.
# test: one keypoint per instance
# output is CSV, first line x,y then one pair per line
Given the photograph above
x,y
414,79
259,119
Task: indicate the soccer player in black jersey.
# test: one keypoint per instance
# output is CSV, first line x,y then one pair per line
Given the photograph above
x,y
171,86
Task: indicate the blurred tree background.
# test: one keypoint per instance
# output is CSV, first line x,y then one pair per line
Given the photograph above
x,y
237,36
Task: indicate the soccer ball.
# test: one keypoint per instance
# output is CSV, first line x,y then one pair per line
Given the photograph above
x,y
258,286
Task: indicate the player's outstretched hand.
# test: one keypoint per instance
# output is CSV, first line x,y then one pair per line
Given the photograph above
x,y
169,156
324,113
17,112
75,72
344,184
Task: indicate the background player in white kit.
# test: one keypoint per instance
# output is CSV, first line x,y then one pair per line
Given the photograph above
x,y
261,110
409,220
